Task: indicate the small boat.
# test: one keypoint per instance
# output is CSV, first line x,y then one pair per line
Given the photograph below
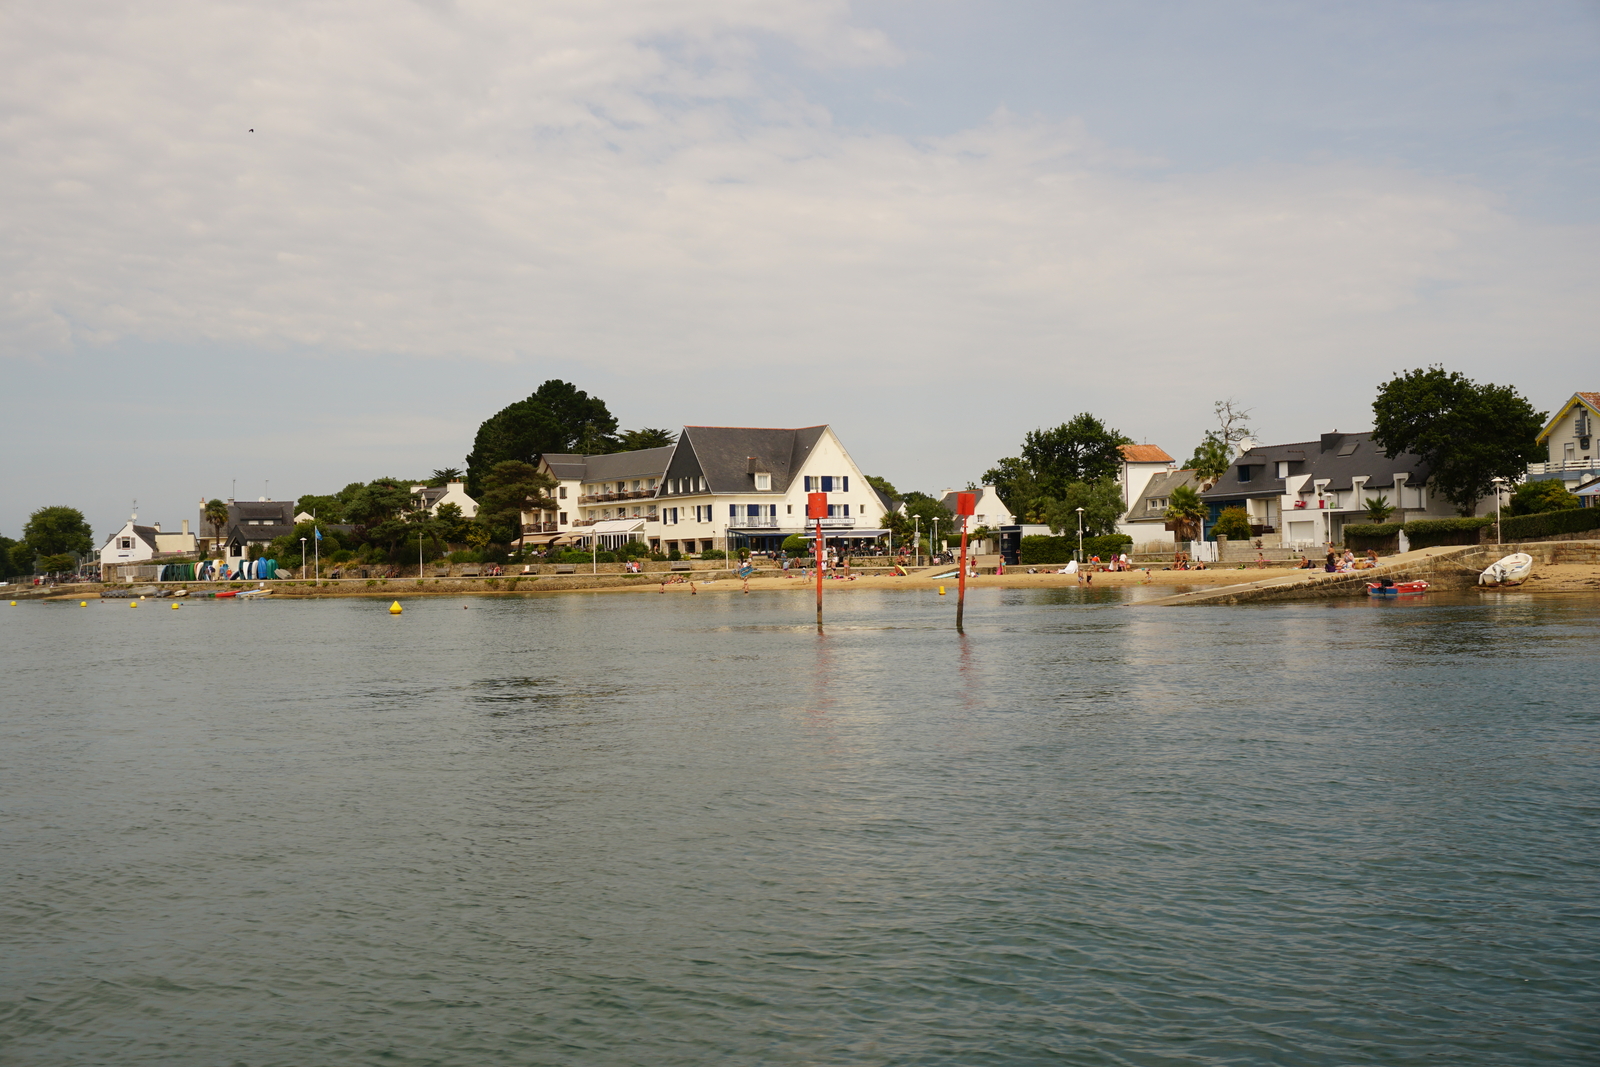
x,y
228,592
1510,570
1389,587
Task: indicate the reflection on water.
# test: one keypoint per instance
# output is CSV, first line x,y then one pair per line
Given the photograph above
x,y
624,829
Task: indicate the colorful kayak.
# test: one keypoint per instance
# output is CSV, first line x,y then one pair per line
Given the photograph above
x,y
1390,588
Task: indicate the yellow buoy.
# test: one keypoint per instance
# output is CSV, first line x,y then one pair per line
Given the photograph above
x,y
175,607
395,608
13,603
941,590
133,603
83,603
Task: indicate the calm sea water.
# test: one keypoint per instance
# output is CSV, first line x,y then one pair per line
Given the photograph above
x,y
635,829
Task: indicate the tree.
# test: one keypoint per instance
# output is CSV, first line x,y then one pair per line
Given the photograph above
x,y
59,563
452,523
511,487
56,530
1233,523
7,568
216,517
1465,433
1082,450
444,476
634,440
928,511
1547,494
325,508
1187,513
1101,503
1215,450
557,418
883,485
1379,509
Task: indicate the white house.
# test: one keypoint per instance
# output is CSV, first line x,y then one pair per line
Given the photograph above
x,y
1141,463
718,486
434,497
989,510
134,543
1570,438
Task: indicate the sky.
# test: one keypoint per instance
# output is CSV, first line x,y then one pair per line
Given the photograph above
x,y
253,249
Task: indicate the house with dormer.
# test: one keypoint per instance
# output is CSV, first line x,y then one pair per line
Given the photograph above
x,y
1569,438
1303,494
434,497
717,487
135,544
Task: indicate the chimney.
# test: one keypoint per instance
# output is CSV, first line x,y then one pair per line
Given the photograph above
x,y
186,527
1330,441
156,527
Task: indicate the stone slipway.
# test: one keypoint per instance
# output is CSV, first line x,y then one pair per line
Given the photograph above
x,y
1450,567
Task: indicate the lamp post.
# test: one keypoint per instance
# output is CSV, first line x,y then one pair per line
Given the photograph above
x,y
302,559
1080,537
933,540
1498,483
916,540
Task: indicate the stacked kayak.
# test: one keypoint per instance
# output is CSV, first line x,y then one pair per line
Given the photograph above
x,y
1389,587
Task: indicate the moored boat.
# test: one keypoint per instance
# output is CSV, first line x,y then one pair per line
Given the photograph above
x,y
1389,587
1508,570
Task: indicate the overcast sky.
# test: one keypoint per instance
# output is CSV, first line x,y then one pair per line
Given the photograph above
x,y
934,225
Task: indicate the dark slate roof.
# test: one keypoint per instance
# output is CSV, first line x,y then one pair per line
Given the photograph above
x,y
565,467
277,511
723,455
147,534
1336,457
1161,484
432,494
265,532
642,463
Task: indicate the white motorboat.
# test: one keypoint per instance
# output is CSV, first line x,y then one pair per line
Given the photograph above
x,y
1511,570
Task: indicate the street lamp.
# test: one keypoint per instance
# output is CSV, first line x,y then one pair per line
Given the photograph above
x,y
933,540
916,540
302,559
1498,483
1080,537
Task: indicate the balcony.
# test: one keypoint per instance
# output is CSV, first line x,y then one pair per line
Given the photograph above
x,y
833,522
756,522
1573,466
540,527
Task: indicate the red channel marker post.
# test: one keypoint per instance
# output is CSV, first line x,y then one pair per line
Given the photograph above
x,y
817,508
966,504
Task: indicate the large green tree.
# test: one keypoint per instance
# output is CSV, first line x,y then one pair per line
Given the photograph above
x,y
1533,498
8,568
1083,449
558,417
1466,434
511,487
56,530
644,437
1101,503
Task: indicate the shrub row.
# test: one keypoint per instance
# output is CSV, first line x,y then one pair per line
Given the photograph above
x,y
1430,533
1521,527
1042,549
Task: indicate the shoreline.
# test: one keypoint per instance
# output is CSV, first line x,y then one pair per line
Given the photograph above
x,y
1550,578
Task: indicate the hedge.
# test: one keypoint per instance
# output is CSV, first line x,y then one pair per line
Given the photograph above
x,y
1521,527
1106,546
1430,533
1380,537
1037,548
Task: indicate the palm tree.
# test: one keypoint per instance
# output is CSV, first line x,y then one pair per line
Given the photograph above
x,y
445,476
1186,513
216,516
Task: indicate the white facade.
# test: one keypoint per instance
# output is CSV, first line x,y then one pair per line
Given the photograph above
x,y
454,492
1570,439
134,543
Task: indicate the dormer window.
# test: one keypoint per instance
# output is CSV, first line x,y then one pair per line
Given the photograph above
x,y
1283,468
1244,473
763,481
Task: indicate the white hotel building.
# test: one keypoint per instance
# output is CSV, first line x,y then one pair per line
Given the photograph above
x,y
718,486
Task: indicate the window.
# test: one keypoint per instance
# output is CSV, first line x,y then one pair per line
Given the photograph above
x,y
1283,468
763,481
1349,448
791,509
838,510
562,492
126,542
563,518
733,511
1244,473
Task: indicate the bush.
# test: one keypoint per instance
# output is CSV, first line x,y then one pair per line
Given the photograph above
x,y
713,553
657,557
1233,523
606,557
674,555
1522,527
344,555
466,555
1431,533
633,550
1536,498
1106,546
795,546
1037,548
574,556
1379,537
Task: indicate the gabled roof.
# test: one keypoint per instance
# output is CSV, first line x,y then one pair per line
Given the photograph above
x,y
1160,486
147,534
270,510
564,467
729,456
1145,454
641,463
1590,400
1337,458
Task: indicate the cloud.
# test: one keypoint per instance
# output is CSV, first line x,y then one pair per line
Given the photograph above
x,y
630,185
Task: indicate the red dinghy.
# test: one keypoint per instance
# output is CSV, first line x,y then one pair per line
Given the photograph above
x,y
1388,588
231,592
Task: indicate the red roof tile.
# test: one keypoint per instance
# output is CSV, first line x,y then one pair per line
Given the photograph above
x,y
1145,454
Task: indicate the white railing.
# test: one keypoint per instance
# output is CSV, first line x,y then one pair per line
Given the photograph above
x,y
1578,465
750,522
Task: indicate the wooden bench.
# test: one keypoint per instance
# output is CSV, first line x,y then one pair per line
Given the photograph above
x,y
471,570
566,568
682,565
